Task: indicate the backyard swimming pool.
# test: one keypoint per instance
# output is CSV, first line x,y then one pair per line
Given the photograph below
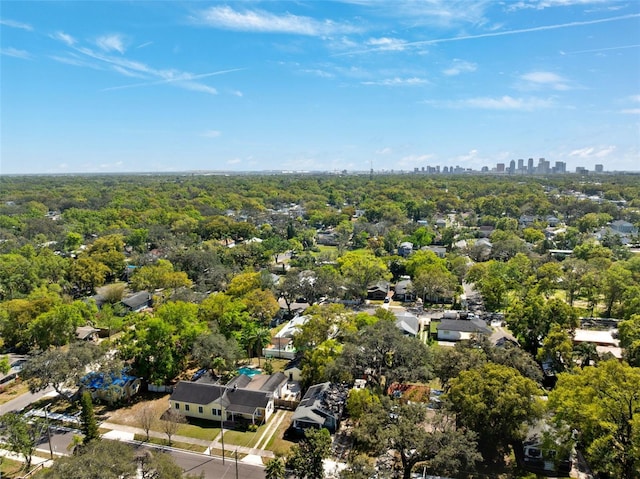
x,y
248,371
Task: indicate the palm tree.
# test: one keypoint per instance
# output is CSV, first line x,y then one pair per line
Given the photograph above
x,y
274,469
262,339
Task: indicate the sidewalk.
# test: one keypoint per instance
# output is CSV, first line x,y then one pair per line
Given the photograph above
x,y
253,455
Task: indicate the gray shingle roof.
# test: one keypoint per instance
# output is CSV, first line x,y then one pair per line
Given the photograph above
x,y
464,326
196,393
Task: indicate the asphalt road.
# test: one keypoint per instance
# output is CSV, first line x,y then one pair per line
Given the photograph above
x,y
213,468
22,401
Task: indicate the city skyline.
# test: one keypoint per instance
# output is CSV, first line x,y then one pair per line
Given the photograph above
x,y
106,87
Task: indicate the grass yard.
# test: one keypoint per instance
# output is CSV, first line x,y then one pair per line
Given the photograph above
x,y
277,444
10,469
241,438
197,430
164,442
12,391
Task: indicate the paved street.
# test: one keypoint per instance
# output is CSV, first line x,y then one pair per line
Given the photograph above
x,y
23,401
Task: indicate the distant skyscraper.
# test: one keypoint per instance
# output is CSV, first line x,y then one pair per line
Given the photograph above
x,y
581,170
560,167
500,167
445,169
520,165
512,167
599,168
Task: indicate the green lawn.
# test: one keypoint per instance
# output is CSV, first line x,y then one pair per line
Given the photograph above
x,y
164,442
240,438
198,431
10,469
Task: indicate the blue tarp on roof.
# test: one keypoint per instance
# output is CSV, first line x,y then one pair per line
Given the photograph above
x,y
98,380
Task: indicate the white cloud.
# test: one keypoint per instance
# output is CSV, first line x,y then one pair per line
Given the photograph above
x,y
631,111
15,24
592,152
505,103
234,161
319,73
635,98
460,66
14,52
195,86
439,13
541,79
557,26
397,81
145,44
387,44
212,133
542,4
64,38
266,22
384,151
112,42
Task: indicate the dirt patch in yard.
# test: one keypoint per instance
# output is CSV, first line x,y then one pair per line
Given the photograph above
x,y
130,415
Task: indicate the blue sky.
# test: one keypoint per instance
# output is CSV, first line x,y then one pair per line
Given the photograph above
x,y
317,85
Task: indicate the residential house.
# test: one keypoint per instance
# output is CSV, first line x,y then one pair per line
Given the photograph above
x,y
441,223
440,251
407,323
110,388
461,329
485,231
321,407
87,333
404,291
378,291
293,369
624,227
604,341
137,302
552,221
242,399
405,249
526,220
279,347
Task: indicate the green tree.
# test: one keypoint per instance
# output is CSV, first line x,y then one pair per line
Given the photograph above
x,y
603,404
361,402
88,423
214,351
57,327
629,333
274,469
114,460
306,458
59,368
496,402
615,281
435,443
557,348
22,435
5,365
159,275
360,269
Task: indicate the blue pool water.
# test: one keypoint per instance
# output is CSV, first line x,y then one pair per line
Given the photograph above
x,y
248,371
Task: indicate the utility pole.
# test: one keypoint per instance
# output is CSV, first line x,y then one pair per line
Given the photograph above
x,y
46,420
236,463
222,422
